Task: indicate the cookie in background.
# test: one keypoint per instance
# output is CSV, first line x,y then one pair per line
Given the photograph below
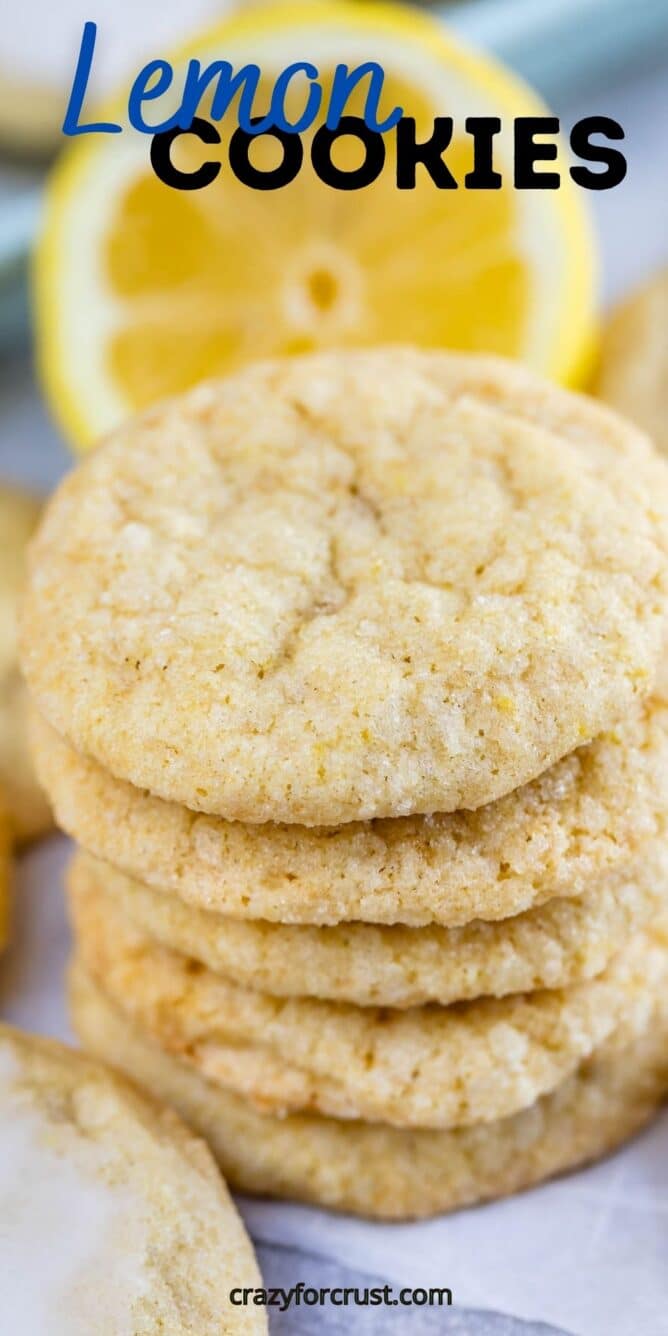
x,y
29,812
633,371
152,1240
5,873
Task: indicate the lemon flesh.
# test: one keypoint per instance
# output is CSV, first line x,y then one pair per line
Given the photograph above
x,y
144,290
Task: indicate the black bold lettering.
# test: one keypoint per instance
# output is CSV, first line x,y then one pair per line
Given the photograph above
x,y
429,153
483,129
249,175
161,157
614,162
528,152
368,171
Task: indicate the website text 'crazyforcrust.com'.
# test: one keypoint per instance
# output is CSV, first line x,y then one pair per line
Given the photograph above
x,y
341,1296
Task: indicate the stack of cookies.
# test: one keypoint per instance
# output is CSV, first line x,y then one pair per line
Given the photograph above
x,y
347,683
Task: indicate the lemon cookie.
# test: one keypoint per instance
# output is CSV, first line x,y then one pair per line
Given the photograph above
x,y
423,1067
560,943
349,586
585,821
633,374
5,872
114,1216
382,1171
28,807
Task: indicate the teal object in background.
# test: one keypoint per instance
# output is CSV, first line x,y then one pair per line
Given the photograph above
x,y
19,220
565,46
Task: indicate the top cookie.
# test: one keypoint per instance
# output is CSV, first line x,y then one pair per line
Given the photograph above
x,y
633,374
348,586
114,1216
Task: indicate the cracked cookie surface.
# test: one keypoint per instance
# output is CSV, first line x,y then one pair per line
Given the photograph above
x,y
350,586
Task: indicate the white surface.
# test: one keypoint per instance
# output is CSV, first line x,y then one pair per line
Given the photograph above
x,y
587,1253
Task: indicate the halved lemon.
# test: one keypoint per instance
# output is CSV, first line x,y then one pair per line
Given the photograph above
x,y
143,289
